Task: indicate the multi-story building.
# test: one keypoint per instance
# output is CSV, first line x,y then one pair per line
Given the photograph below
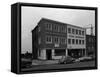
x,y
52,40
90,45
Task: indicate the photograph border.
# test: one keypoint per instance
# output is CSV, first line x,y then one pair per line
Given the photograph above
x,y
18,37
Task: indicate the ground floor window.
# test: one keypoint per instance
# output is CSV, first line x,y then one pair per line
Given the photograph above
x,y
60,52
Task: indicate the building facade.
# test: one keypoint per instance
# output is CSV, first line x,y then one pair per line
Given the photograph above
x,y
52,40
76,37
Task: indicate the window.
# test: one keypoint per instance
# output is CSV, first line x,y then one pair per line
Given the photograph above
x,y
73,31
69,30
82,32
76,41
48,26
79,41
56,39
48,39
69,41
56,28
63,41
79,32
60,52
73,41
63,29
76,31
82,41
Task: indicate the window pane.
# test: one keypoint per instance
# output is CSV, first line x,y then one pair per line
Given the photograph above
x,y
82,32
76,41
69,30
79,32
76,31
79,41
82,41
48,39
73,31
73,41
69,41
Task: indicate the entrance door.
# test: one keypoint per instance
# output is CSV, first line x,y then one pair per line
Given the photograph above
x,y
48,54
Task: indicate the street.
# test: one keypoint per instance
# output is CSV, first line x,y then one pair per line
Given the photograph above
x,y
59,66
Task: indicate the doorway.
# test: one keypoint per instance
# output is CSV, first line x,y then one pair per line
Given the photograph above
x,y
48,54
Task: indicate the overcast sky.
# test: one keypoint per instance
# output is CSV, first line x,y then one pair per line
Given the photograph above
x,y
32,15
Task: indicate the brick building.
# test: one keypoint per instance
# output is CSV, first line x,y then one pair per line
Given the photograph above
x,y
52,40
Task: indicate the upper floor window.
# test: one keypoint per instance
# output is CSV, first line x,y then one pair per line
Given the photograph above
x,y
63,29
48,26
82,41
76,31
63,41
82,32
73,31
79,41
73,41
79,32
56,28
69,41
56,40
76,41
48,39
69,30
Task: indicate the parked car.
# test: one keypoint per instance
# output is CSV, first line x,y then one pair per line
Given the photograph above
x,y
82,59
66,60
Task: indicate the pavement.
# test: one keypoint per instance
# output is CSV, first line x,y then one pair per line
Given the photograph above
x,y
43,62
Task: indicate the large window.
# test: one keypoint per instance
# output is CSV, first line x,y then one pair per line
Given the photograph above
x,y
48,39
60,52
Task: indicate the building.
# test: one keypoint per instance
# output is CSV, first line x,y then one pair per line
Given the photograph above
x,y
90,45
52,40
76,37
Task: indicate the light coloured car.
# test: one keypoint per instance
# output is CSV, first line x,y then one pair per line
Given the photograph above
x,y
85,58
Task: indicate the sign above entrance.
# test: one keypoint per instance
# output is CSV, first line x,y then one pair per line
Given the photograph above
x,y
56,45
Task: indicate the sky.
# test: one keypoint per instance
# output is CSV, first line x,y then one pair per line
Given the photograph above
x,y
30,16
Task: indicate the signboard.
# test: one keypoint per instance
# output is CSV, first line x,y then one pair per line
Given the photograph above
x,y
56,45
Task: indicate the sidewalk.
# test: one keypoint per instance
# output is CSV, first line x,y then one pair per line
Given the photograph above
x,y
43,62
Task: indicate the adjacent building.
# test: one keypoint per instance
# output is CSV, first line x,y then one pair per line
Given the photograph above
x,y
52,40
90,45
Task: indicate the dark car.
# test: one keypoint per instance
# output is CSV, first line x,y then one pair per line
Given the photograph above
x,y
66,60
